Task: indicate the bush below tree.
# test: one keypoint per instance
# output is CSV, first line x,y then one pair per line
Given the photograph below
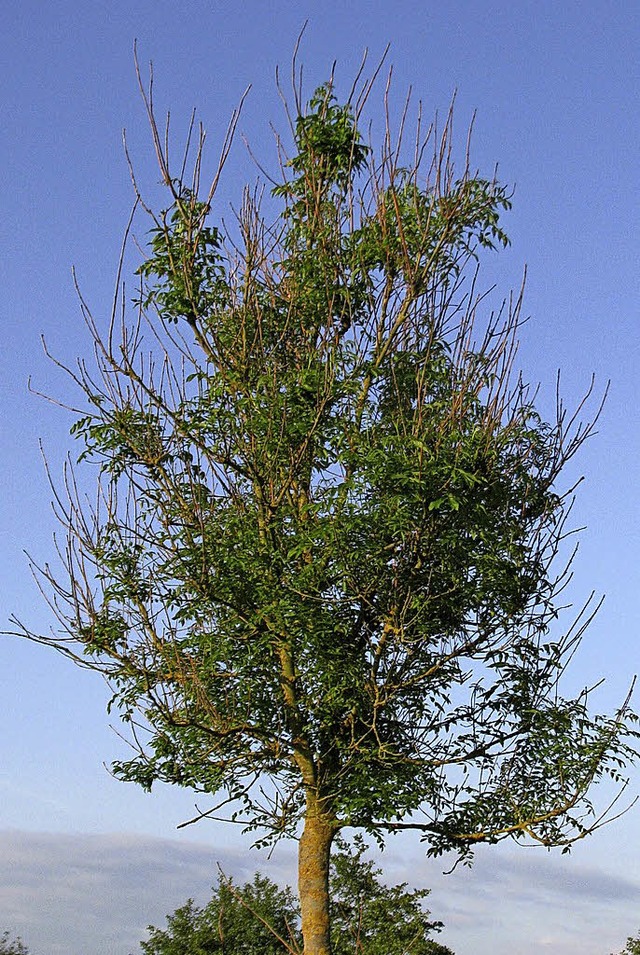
x,y
368,917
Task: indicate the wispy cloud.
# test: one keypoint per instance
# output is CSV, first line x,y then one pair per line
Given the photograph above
x,y
95,894
516,901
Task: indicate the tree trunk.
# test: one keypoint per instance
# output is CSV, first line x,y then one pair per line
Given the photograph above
x,y
313,879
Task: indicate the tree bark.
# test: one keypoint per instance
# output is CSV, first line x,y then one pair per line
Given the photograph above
x,y
314,854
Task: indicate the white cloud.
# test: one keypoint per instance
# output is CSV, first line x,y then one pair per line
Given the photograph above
x,y
74,894
516,901
96,894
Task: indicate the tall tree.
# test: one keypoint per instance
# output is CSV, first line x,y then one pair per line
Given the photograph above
x,y
320,572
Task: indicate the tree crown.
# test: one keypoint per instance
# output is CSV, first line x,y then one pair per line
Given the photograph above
x,y
322,562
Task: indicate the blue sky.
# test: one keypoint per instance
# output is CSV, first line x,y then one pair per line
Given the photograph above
x,y
556,89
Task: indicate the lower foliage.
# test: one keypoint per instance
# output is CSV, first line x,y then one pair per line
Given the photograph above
x,y
368,917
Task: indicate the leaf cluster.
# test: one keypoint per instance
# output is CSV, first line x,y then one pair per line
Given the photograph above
x,y
9,946
632,947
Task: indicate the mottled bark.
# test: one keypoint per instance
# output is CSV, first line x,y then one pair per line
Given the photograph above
x,y
313,880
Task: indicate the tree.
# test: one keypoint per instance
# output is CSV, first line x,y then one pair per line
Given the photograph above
x,y
367,917
320,572
257,919
12,947
632,947
371,918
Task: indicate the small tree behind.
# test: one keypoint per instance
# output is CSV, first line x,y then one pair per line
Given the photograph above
x,y
367,917
15,946
320,571
257,919
632,947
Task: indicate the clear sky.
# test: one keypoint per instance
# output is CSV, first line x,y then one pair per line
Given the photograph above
x,y
86,862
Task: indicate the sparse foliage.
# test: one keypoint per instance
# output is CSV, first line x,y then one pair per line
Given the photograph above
x,y
320,573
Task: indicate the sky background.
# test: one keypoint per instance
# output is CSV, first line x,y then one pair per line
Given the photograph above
x,y
87,862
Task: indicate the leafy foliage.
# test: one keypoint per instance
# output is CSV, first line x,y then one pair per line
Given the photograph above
x,y
231,923
9,946
371,918
632,947
368,917
185,266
